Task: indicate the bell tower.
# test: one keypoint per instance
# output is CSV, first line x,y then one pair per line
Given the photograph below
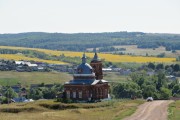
x,y
96,64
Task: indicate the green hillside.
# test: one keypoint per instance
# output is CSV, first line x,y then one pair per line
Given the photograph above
x,y
82,41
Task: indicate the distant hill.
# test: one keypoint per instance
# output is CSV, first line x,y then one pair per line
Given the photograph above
x,y
81,41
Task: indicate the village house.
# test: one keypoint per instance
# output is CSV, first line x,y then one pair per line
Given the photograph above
x,y
87,83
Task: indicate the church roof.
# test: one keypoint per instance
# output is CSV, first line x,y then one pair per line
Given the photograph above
x,y
96,58
99,81
84,68
80,82
86,82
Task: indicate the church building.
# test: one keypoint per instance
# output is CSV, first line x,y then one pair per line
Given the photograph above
x,y
87,83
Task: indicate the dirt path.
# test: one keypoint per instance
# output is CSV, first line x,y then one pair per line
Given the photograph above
x,y
156,110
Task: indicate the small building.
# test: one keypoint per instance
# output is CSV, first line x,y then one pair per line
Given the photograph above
x,y
107,70
171,77
87,83
16,88
125,71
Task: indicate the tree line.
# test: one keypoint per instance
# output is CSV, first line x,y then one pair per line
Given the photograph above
x,y
82,41
41,92
143,86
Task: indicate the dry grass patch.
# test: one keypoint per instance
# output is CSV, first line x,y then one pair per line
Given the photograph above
x,y
109,110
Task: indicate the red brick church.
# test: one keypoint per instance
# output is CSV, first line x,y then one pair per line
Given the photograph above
x,y
87,83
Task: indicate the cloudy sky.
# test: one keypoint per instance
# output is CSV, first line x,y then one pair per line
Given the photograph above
x,y
73,16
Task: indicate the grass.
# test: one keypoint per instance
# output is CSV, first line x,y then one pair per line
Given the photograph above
x,y
115,77
108,110
27,78
139,51
174,110
8,81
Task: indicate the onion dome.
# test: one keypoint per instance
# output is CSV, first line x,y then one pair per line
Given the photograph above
x,y
96,58
84,68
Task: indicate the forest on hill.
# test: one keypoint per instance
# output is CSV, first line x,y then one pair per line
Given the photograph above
x,y
82,41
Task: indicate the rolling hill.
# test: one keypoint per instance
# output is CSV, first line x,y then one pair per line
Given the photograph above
x,y
82,41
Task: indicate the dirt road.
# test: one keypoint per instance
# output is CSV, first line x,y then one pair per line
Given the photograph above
x,y
156,110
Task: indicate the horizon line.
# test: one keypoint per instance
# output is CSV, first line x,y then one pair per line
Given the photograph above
x,y
90,32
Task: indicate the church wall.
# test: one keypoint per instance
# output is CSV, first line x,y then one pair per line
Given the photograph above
x,y
97,68
81,91
87,92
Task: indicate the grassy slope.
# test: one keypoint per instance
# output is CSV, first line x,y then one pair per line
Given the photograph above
x,y
27,78
174,110
110,110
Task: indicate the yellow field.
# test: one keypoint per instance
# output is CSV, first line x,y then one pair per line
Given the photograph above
x,y
106,57
21,57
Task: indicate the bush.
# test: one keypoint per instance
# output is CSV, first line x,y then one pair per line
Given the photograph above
x,y
64,100
165,93
3,100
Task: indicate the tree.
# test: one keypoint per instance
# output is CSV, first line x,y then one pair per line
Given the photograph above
x,y
126,90
161,55
151,65
35,94
49,93
10,93
161,81
176,89
159,66
173,83
139,78
149,91
165,93
176,67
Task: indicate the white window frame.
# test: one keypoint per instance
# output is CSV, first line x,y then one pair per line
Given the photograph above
x,y
68,94
80,94
74,94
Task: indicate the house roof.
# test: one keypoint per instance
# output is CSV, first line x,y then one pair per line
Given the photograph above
x,y
32,65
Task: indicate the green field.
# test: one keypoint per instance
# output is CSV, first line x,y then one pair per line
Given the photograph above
x,y
134,50
174,110
27,78
49,110
115,77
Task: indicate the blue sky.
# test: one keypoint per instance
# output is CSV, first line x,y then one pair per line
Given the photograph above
x,y
74,16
